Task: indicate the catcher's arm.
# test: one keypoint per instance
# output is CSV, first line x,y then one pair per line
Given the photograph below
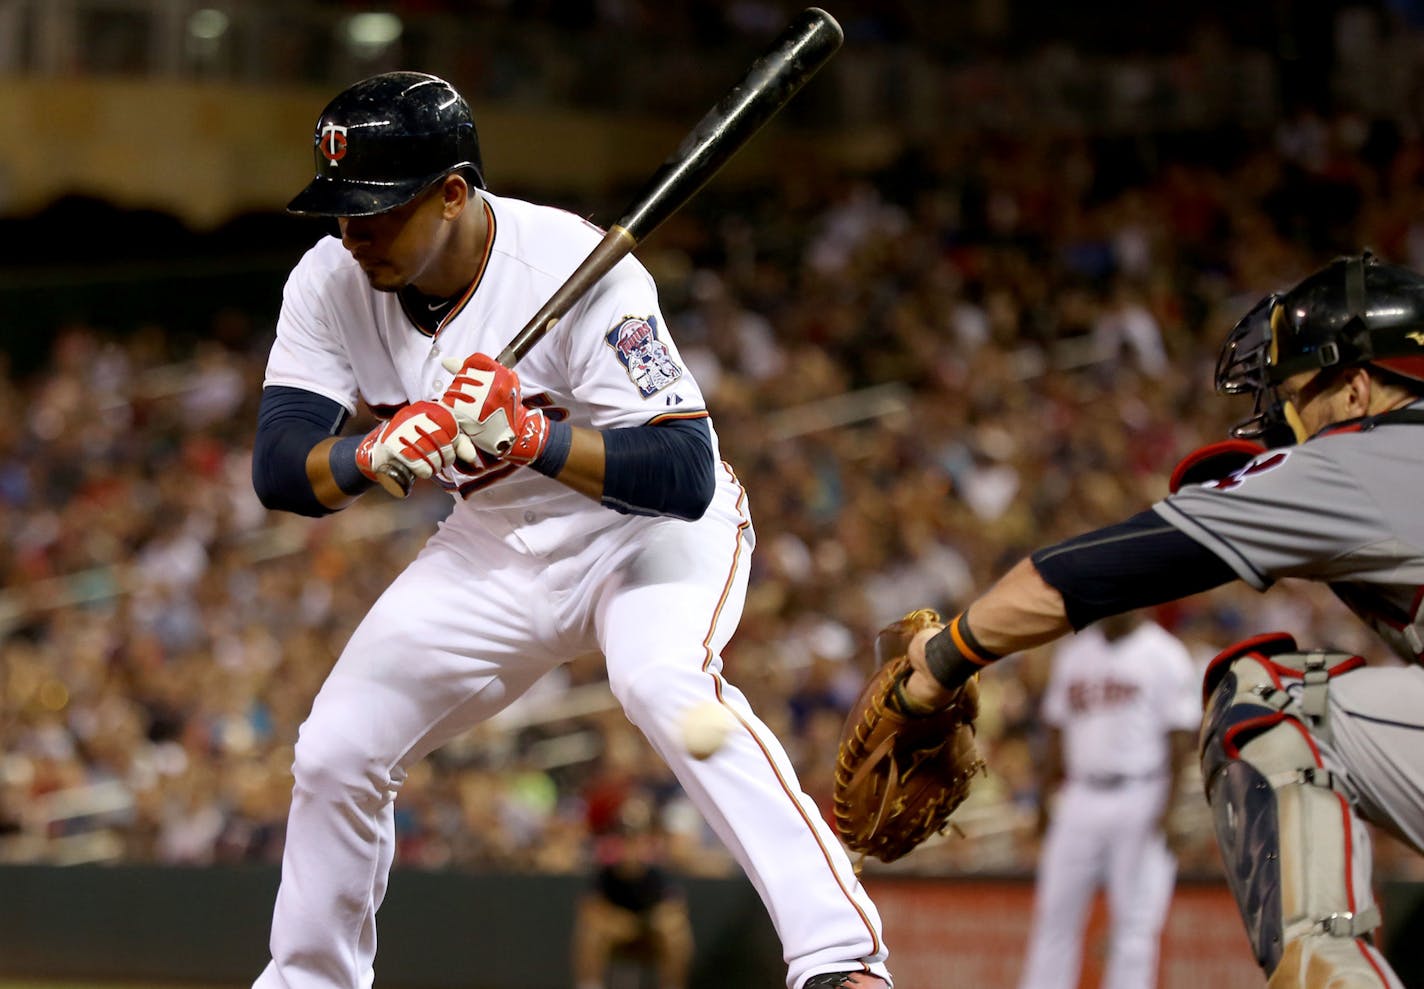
x,y
1136,563
1019,612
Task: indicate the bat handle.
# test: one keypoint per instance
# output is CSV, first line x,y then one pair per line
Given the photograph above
x,y
395,478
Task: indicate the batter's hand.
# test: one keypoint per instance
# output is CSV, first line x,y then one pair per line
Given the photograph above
x,y
486,400
423,436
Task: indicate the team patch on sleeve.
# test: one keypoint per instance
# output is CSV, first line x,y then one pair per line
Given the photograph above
x,y
1259,465
649,364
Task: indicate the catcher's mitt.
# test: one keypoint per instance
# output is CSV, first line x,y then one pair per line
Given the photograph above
x,y
899,776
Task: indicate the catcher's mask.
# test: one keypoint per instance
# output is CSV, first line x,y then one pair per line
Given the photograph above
x,y
1356,310
384,140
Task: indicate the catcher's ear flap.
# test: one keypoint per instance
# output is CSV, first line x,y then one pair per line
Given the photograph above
x,y
893,640
1213,462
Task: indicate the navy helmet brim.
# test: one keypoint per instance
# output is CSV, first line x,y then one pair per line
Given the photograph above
x,y
344,197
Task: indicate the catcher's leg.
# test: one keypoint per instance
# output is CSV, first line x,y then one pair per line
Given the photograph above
x,y
1297,857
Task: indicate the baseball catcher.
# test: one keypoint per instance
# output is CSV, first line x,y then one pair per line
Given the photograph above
x,y
903,768
1299,746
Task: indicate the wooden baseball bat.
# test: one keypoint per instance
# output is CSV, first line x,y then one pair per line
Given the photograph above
x,y
806,45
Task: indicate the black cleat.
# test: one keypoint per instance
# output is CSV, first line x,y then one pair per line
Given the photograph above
x,y
846,980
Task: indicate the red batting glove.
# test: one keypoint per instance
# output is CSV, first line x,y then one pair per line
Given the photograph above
x,y
486,401
423,436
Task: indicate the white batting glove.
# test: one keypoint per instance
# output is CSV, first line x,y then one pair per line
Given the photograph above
x,y
484,396
423,436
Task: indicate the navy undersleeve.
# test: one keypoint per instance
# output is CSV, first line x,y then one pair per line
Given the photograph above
x,y
1134,564
290,421
662,469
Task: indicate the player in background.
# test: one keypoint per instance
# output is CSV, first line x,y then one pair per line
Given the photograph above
x,y
1297,747
634,901
1121,711
592,512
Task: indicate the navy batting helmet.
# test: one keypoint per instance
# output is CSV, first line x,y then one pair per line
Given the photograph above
x,y
1355,310
383,140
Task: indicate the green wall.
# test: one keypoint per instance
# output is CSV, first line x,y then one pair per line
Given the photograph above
x,y
437,930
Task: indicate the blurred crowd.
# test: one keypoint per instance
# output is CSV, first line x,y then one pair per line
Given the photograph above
x,y
919,373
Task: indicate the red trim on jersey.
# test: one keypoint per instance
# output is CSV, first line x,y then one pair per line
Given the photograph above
x,y
1213,462
479,275
469,290
670,416
1353,426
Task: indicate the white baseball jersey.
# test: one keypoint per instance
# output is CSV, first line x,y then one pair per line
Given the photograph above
x,y
1115,703
524,575
610,362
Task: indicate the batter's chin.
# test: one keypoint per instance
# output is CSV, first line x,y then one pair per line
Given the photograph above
x,y
383,279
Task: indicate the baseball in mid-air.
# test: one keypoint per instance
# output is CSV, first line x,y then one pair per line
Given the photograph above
x,y
705,727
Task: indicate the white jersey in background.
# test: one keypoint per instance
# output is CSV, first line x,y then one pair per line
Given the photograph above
x,y
1114,703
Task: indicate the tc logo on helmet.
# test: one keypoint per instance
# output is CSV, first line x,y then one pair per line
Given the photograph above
x,y
333,142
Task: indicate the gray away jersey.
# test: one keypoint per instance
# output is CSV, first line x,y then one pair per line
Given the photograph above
x,y
1342,508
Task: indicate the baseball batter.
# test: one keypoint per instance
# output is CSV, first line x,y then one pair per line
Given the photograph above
x,y
1123,706
592,512
1297,747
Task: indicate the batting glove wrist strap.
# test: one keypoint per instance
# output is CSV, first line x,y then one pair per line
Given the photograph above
x,y
555,454
342,461
954,655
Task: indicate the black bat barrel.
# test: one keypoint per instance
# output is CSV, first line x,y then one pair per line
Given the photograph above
x,y
806,44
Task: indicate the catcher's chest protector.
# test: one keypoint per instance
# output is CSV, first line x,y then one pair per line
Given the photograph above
x,y
1297,857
